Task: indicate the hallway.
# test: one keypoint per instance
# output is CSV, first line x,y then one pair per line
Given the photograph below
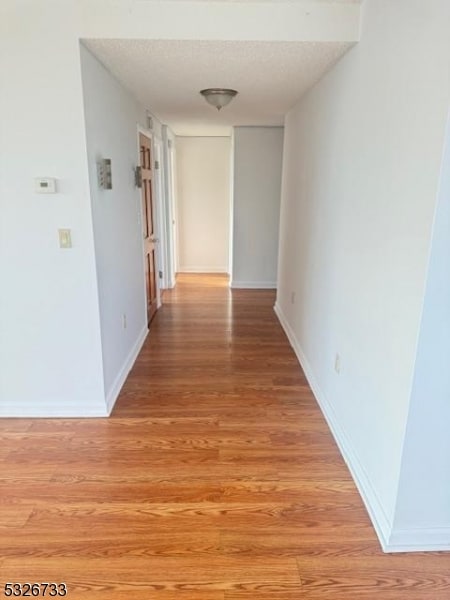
x,y
216,477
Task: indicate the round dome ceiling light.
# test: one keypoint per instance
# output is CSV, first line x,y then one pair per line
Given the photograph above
x,y
218,97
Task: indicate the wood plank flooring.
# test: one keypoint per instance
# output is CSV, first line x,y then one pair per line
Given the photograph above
x,y
215,478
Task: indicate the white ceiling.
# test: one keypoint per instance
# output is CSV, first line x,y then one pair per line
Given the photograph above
x,y
265,53
167,75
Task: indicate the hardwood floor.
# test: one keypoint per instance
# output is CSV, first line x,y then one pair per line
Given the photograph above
x,y
215,478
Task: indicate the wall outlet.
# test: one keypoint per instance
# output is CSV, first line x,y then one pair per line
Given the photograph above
x,y
292,297
337,364
124,321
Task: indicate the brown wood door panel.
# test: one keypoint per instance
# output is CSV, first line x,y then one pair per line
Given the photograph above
x,y
148,225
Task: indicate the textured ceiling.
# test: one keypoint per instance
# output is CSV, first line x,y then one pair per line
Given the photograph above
x,y
167,75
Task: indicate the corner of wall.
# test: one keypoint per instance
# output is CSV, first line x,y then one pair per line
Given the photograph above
x,y
122,375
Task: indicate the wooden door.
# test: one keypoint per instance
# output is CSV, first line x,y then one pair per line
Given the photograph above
x,y
148,224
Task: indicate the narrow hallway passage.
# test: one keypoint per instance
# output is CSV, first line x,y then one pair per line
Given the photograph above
x,y
215,478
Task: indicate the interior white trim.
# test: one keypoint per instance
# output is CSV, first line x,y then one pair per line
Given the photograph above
x,y
223,270
47,410
254,285
114,392
379,519
391,539
419,540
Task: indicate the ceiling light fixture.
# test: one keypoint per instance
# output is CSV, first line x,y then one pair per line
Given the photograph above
x,y
218,97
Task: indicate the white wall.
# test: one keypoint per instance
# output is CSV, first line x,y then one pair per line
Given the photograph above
x,y
257,160
161,20
112,117
423,504
362,158
203,203
50,340
50,346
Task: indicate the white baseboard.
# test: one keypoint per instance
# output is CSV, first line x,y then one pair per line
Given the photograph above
x,y
419,540
52,410
379,519
223,270
253,285
114,391
68,410
391,539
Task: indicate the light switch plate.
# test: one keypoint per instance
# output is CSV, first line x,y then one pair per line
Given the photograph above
x,y
65,238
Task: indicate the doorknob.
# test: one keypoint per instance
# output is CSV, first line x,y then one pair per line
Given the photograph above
x,y
154,240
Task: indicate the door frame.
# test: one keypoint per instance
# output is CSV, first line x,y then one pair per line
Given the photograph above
x,y
160,208
170,215
157,211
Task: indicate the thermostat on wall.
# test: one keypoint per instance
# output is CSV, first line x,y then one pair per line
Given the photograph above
x,y
45,185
